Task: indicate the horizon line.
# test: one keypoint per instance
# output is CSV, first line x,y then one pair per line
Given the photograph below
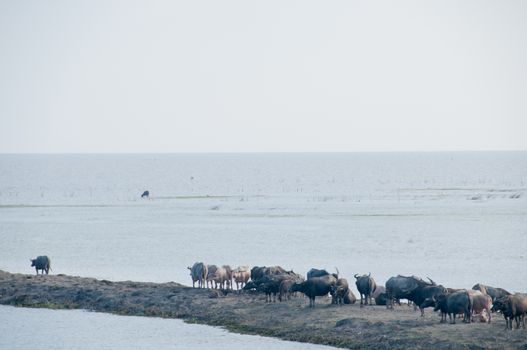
x,y
259,152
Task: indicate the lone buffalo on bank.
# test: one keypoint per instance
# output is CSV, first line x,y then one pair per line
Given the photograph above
x,y
42,263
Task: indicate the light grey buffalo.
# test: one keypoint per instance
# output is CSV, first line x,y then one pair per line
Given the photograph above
x,y
229,276
42,263
216,276
480,302
220,277
241,275
198,272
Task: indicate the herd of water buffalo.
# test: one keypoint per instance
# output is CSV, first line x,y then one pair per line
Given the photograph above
x,y
478,302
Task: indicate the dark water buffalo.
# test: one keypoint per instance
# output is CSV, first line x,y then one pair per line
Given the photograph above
x,y
503,305
402,287
258,272
494,293
145,194
422,294
42,263
315,286
366,286
350,298
480,302
379,295
198,272
271,284
340,291
453,290
319,273
453,304
512,307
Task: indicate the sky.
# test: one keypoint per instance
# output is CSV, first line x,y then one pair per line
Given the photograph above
x,y
262,76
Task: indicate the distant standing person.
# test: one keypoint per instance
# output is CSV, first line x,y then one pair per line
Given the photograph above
x,y
145,194
41,263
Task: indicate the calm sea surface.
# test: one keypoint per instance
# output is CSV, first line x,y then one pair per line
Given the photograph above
x,y
459,218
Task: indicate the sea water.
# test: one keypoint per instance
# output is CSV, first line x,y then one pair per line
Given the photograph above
x,y
78,329
458,218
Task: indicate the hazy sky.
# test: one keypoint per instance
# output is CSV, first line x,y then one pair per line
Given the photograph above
x,y
193,76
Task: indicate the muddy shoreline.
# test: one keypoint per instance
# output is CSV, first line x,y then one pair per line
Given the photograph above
x,y
348,326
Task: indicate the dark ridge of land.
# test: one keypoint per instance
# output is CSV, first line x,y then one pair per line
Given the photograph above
x,y
348,326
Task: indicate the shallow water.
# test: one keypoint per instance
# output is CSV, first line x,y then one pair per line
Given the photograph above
x,y
459,218
454,217
23,328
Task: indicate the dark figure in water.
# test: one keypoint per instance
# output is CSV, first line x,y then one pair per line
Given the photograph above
x,y
41,263
145,194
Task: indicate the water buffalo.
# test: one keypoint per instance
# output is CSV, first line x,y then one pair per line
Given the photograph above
x,y
494,293
350,298
503,305
258,272
228,277
402,287
315,286
42,263
480,302
421,294
198,272
270,284
220,277
453,304
380,295
319,273
211,270
285,289
453,290
241,275
366,286
512,307
340,291
145,194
